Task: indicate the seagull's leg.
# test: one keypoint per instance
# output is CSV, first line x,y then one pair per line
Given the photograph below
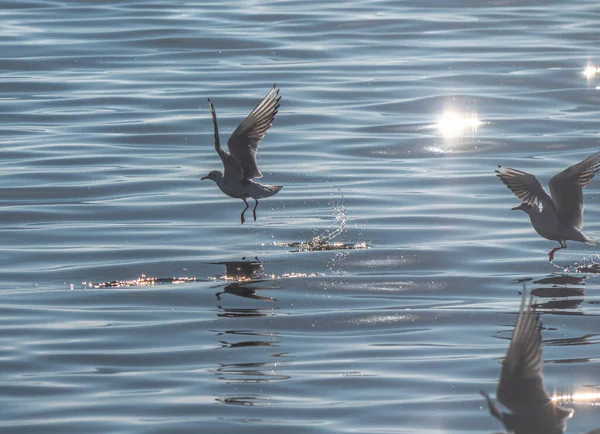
x,y
563,245
242,216
254,209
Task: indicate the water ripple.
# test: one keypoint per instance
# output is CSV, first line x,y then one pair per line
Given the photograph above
x,y
396,303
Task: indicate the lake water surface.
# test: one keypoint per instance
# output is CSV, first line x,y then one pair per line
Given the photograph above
x,y
394,115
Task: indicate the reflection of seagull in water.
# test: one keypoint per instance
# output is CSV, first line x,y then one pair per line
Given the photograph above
x,y
245,274
521,389
560,217
245,290
243,270
239,163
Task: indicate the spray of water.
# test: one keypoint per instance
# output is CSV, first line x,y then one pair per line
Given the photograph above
x,y
325,240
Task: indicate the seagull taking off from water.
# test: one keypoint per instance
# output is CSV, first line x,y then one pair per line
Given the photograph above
x,y
239,163
560,217
521,388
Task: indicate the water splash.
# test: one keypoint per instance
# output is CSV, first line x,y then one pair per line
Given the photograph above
x,y
590,265
324,241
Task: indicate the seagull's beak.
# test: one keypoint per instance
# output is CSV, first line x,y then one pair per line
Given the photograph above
x,y
516,208
203,178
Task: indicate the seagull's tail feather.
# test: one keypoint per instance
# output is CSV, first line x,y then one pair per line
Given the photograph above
x,y
261,191
272,189
589,241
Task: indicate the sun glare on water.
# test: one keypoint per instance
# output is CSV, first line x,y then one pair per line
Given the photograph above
x,y
590,71
454,124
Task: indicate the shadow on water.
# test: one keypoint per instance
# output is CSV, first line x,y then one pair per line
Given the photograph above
x,y
562,289
252,360
565,291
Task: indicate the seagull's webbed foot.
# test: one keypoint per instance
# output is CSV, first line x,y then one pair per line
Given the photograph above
x,y
563,245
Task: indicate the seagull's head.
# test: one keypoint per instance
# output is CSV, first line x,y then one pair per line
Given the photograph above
x,y
215,175
523,207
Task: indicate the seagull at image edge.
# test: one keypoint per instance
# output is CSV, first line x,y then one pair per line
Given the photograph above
x,y
558,217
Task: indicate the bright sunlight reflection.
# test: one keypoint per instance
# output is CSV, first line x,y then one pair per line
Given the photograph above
x,y
454,124
591,397
590,71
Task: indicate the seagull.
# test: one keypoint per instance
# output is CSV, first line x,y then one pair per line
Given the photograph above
x,y
521,388
560,217
240,167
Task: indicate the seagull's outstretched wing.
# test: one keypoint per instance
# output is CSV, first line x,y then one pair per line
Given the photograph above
x,y
526,187
243,143
521,387
566,189
231,169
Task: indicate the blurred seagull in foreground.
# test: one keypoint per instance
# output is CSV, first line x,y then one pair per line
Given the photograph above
x,y
240,162
560,217
521,389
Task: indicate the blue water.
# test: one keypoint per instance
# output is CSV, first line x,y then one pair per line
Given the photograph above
x,y
106,133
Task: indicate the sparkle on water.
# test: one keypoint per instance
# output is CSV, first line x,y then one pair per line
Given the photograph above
x,y
228,278
143,280
593,398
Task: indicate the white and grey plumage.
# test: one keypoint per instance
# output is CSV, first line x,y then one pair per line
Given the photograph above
x,y
560,217
521,388
240,167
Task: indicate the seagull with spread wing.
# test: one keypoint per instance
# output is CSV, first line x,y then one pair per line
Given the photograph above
x,y
560,217
521,388
240,167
